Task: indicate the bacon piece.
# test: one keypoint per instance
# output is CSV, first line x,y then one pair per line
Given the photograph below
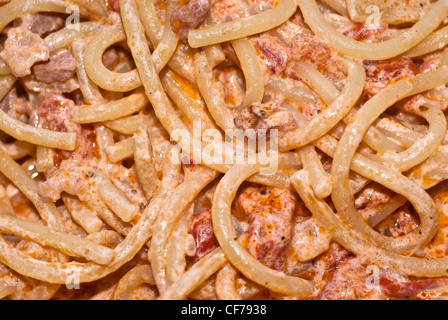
x,y
110,58
306,46
44,23
22,50
231,79
269,212
361,32
113,5
418,100
380,73
407,289
59,68
228,10
274,53
188,17
54,111
348,281
268,115
372,198
202,231
309,47
16,107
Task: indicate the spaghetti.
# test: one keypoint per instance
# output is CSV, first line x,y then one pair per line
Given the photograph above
x,y
223,150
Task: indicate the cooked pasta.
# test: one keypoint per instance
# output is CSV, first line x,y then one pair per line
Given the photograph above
x,y
223,150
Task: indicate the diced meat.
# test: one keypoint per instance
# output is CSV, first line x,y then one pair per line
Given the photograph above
x,y
113,5
111,58
262,5
188,17
15,107
430,63
306,46
22,50
228,10
231,79
268,115
419,100
269,212
202,231
310,48
380,73
349,280
308,241
437,248
396,289
54,111
273,53
361,32
399,223
44,23
372,198
59,68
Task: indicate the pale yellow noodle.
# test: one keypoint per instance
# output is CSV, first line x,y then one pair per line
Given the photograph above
x,y
61,272
171,212
226,283
67,243
123,149
345,152
194,276
114,198
144,165
243,27
180,244
131,280
372,51
320,180
235,252
253,73
435,41
336,111
90,91
34,135
83,215
211,92
111,110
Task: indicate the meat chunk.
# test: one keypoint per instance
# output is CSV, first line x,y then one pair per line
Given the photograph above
x,y
188,17
202,231
380,73
44,23
16,107
419,100
361,32
349,281
310,48
228,10
113,5
22,50
269,212
231,79
273,53
372,198
59,68
268,115
306,46
110,58
397,289
54,111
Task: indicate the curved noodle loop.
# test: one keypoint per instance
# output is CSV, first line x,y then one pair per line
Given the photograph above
x,y
228,150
